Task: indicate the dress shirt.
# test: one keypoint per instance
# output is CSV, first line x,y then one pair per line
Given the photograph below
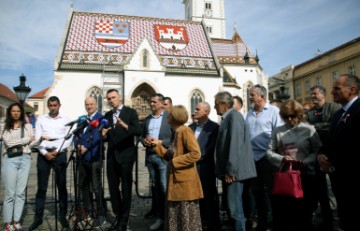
x,y
54,128
260,127
118,110
198,130
155,125
347,106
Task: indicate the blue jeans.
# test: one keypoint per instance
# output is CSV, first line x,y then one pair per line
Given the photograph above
x,y
157,171
235,205
15,174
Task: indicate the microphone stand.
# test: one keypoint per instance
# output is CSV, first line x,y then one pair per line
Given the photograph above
x,y
54,166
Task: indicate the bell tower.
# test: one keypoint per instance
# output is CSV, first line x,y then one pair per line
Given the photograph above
x,y
211,11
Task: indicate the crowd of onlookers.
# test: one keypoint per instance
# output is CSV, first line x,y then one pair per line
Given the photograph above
x,y
185,161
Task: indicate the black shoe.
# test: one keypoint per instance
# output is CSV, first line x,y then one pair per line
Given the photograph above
x,y
150,214
64,222
37,222
115,225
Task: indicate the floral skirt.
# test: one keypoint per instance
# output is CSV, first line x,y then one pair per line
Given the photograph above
x,y
183,216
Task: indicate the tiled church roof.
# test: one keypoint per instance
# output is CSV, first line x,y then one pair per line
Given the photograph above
x,y
231,50
83,48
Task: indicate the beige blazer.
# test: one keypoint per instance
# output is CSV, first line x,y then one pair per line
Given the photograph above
x,y
183,180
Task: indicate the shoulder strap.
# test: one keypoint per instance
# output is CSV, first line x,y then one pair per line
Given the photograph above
x,y
22,131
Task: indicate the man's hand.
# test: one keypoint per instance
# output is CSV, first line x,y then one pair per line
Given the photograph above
x,y
105,131
323,162
229,179
51,155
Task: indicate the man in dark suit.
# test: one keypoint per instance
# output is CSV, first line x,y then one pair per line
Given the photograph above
x,y
156,127
340,156
124,126
234,157
206,132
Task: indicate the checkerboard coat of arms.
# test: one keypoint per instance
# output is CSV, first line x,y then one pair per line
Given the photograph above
x,y
171,37
111,34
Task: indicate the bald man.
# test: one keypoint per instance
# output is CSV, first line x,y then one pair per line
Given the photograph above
x,y
206,132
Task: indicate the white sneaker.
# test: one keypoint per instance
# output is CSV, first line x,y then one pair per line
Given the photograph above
x,y
158,223
17,226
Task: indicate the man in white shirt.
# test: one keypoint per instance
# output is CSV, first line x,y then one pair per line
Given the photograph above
x,y
52,155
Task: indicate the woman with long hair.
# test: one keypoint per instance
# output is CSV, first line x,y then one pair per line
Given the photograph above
x,y
17,136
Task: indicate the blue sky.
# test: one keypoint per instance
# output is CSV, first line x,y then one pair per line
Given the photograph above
x,y
283,32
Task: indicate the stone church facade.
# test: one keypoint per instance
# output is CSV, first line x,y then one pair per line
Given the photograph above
x,y
187,60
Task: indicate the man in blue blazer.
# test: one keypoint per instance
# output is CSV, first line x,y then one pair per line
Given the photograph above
x,y
234,157
156,126
206,132
90,156
340,156
124,126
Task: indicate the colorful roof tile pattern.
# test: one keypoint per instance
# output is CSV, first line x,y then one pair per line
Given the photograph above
x,y
84,44
231,50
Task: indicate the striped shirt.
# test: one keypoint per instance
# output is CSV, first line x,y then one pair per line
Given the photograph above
x,y
12,138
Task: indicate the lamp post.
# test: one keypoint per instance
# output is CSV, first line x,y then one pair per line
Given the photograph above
x,y
283,96
22,91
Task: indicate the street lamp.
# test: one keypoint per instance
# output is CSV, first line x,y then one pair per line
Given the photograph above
x,y
22,91
283,96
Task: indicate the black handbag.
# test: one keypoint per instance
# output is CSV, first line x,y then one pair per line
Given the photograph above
x,y
16,150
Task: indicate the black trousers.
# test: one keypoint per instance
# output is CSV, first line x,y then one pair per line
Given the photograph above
x,y
90,181
120,201
43,172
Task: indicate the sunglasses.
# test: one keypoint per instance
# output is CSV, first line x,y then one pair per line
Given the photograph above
x,y
292,116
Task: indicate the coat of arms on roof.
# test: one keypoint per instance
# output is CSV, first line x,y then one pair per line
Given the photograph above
x,y
111,33
171,37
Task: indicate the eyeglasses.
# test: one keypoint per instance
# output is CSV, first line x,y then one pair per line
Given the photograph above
x,y
292,116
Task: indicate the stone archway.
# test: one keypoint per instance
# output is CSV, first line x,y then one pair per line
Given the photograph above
x,y
140,100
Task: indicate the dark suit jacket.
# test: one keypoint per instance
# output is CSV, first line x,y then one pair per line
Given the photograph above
x,y
342,146
164,134
234,155
207,142
121,142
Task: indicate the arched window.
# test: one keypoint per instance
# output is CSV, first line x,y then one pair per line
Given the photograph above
x,y
97,94
145,59
196,97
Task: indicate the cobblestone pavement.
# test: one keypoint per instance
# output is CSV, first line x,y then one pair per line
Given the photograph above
x,y
140,205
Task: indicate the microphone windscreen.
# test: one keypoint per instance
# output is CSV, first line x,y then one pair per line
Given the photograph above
x,y
82,119
105,123
94,123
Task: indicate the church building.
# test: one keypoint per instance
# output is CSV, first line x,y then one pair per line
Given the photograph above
x,y
188,60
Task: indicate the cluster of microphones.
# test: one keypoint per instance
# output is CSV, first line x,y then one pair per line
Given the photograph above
x,y
83,122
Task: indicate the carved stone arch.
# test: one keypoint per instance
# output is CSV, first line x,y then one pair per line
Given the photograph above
x,y
96,93
140,100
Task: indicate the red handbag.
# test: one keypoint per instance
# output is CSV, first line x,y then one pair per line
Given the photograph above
x,y
287,183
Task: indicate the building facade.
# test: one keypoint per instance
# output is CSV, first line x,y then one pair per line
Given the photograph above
x,y
323,70
140,56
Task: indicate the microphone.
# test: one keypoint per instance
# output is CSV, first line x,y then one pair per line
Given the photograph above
x,y
80,127
79,120
104,123
94,124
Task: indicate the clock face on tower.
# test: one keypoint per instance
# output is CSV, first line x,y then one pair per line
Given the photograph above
x,y
208,13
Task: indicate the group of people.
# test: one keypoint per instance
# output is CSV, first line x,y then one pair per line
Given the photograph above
x,y
184,161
